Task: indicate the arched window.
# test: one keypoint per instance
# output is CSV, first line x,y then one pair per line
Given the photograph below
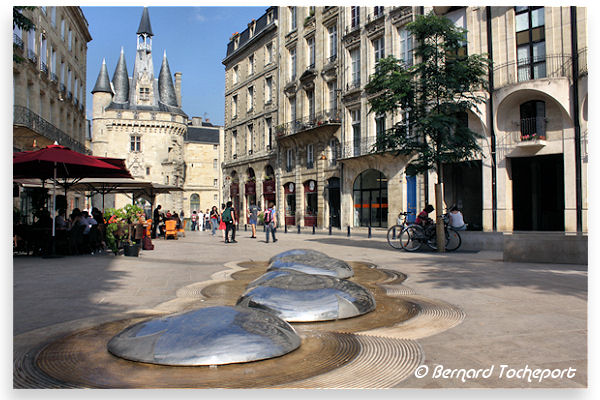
x,y
194,202
370,199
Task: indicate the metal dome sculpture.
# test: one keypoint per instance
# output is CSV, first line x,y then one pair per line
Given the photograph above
x,y
311,262
207,336
299,297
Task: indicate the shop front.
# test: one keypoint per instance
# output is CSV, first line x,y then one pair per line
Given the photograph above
x,y
268,193
310,200
289,191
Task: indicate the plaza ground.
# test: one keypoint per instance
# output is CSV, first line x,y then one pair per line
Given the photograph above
x,y
522,315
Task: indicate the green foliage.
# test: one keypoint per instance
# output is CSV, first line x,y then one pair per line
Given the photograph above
x,y
116,223
433,96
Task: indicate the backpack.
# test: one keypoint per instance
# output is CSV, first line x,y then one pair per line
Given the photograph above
x,y
268,216
226,216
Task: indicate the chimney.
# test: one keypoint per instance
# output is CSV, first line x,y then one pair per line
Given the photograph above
x,y
178,87
196,121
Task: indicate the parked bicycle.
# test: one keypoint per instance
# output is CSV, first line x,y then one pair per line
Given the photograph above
x,y
393,233
414,236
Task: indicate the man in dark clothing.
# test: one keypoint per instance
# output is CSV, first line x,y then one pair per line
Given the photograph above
x,y
228,217
155,220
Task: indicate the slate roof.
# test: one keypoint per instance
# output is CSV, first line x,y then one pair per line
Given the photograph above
x,y
202,135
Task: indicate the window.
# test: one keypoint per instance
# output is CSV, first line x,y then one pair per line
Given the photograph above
x,y
378,49
147,170
195,202
268,53
215,147
293,108
250,138
76,88
269,133
53,16
292,18
234,144
406,47
69,79
234,106
62,72
268,89
43,50
215,182
144,93
531,43
31,41
292,63
70,40
332,86
251,65
310,100
250,98
215,198
62,29
354,16
289,160
355,117
311,52
235,76
332,42
215,163
310,157
377,11
333,148
136,143
533,120
355,56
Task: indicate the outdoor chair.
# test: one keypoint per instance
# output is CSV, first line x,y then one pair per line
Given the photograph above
x,y
171,229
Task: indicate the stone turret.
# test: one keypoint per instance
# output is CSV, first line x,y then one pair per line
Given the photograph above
x,y
166,88
102,92
120,81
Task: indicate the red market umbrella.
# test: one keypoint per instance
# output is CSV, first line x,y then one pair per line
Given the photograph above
x,y
59,162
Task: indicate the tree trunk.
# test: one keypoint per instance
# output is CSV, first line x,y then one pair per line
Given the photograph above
x,y
439,219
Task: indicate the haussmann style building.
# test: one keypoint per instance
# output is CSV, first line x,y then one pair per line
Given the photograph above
x,y
315,154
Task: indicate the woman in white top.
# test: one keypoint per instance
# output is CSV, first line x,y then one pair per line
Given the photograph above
x,y
456,220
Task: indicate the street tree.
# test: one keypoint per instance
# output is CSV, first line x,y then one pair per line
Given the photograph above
x,y
432,97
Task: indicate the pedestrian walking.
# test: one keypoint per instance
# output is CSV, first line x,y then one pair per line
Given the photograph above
x,y
214,219
155,220
222,225
228,217
253,212
270,221
200,220
194,219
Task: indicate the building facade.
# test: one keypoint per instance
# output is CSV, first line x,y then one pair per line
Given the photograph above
x,y
532,170
252,92
49,86
138,117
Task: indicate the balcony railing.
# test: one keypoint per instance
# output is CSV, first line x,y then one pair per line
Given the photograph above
x,y
359,147
323,118
32,56
25,117
533,129
332,58
18,41
582,61
43,67
353,85
555,66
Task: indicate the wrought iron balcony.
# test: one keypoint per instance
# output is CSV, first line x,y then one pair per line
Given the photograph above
x,y
18,41
360,147
550,66
25,117
353,85
32,56
533,129
323,118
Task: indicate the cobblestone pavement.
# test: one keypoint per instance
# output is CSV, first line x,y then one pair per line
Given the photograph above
x,y
519,317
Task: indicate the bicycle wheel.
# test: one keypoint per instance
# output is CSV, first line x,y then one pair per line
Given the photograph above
x,y
410,238
453,240
432,240
393,236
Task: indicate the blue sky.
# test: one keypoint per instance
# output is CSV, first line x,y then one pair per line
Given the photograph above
x,y
195,39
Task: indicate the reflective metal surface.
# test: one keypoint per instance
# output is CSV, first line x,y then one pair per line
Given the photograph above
x,y
207,336
311,262
296,252
298,297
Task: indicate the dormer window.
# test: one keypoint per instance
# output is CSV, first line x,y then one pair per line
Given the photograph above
x,y
144,93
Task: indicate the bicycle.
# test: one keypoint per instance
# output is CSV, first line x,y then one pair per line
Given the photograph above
x,y
393,233
413,236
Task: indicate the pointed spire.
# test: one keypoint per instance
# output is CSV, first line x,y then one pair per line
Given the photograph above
x,y
145,27
166,89
103,81
120,80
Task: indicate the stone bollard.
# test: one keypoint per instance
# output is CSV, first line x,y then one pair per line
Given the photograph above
x,y
348,230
